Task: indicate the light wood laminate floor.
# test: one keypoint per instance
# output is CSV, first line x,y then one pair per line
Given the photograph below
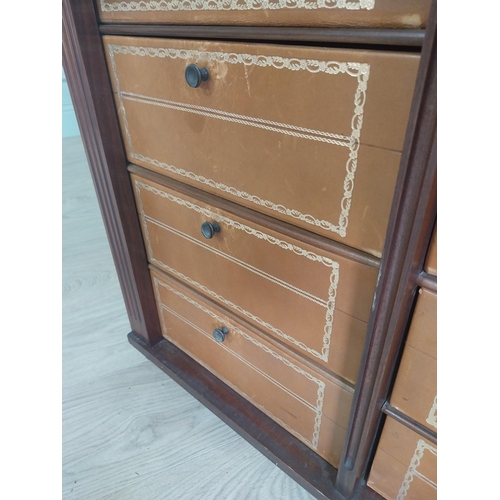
x,y
129,431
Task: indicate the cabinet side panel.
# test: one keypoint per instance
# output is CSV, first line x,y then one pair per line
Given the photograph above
x,y
86,73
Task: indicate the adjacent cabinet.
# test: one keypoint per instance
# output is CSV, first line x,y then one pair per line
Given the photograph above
x,y
266,172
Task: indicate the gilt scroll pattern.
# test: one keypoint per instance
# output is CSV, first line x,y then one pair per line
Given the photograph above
x,y
359,71
318,409
231,5
413,472
432,417
332,267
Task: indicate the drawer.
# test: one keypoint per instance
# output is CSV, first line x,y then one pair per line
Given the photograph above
x,y
431,259
415,388
356,13
311,407
405,465
311,136
316,302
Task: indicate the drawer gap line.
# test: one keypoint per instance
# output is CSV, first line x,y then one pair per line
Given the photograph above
x,y
248,398
256,342
295,232
258,370
410,423
321,384
334,276
299,344
359,71
284,284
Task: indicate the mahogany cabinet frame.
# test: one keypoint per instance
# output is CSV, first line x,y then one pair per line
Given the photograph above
x,y
409,231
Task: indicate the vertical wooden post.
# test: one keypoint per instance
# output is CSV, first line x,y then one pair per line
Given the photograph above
x,y
86,73
409,232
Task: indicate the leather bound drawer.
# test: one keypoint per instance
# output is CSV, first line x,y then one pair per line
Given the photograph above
x,y
314,301
355,13
310,406
415,389
405,465
274,128
431,259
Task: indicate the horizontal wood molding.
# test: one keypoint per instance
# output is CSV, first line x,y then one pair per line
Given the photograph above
x,y
409,422
389,37
427,281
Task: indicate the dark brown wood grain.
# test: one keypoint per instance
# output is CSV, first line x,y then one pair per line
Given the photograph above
x,y
409,232
297,460
88,82
410,423
262,219
390,37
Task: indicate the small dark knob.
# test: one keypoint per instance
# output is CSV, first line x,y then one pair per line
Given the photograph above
x,y
208,229
220,334
194,75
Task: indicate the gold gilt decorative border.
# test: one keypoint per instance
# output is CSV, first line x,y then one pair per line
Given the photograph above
x,y
432,417
360,71
412,471
238,5
318,409
331,266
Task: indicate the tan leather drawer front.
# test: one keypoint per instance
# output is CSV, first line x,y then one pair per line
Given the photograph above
x,y
431,259
316,302
354,13
311,136
311,407
405,465
416,382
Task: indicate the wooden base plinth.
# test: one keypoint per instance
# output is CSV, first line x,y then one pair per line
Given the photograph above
x,y
307,468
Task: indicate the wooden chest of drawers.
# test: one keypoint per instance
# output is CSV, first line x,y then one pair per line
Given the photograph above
x,y
262,202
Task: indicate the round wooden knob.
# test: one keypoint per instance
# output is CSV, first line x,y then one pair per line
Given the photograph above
x,y
194,75
220,334
208,229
